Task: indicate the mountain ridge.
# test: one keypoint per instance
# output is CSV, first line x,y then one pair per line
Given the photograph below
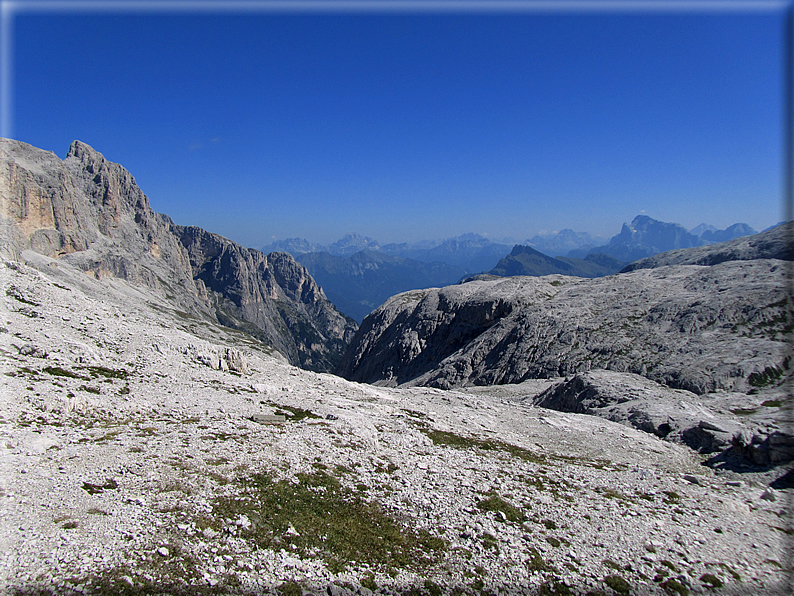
x,y
90,212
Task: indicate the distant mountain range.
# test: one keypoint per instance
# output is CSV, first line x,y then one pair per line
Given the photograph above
x,y
358,274
645,237
470,252
564,241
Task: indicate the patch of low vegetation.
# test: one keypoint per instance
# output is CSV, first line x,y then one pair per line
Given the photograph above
x,y
711,580
555,542
769,376
773,403
318,517
537,563
489,541
16,294
57,371
448,439
617,583
554,588
108,373
497,504
611,493
673,586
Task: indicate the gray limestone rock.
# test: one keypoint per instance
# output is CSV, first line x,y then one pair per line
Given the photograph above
x,y
635,401
90,213
689,327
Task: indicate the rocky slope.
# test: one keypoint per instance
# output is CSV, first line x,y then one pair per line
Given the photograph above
x,y
89,212
135,458
689,327
719,332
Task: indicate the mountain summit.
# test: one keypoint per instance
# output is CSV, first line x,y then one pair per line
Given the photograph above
x,y
89,212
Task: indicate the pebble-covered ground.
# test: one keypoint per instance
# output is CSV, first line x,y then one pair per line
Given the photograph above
x,y
134,462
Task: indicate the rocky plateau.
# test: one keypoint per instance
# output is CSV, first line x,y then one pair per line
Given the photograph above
x,y
554,435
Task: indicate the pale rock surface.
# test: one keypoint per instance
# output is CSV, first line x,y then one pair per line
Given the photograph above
x,y
672,414
90,213
698,328
120,451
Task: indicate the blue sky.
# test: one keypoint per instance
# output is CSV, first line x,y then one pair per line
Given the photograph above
x,y
407,125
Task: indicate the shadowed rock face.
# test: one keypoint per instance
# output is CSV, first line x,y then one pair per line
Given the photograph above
x,y
90,212
707,425
690,327
635,401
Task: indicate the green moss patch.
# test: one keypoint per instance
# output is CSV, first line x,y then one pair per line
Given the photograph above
x,y
318,517
497,504
448,439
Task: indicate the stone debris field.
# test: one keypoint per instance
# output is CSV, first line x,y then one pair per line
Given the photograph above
x,y
145,451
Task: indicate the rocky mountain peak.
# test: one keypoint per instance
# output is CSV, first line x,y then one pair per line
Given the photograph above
x,y
91,212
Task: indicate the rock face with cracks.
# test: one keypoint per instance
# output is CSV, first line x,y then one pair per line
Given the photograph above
x,y
698,328
89,212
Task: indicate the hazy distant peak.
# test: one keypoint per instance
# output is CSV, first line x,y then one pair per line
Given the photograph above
x,y
351,243
704,227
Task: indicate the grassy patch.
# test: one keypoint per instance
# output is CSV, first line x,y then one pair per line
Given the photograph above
x,y
773,403
57,371
318,517
108,373
496,503
769,376
673,586
536,562
448,439
294,414
617,583
711,580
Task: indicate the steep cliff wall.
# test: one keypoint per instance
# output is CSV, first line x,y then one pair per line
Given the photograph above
x,y
91,213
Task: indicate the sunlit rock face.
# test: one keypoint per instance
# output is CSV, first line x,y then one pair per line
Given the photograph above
x,y
91,213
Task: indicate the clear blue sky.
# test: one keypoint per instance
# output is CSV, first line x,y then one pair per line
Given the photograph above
x,y
411,125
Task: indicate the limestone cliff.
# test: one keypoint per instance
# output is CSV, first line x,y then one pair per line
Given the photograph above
x,y
91,213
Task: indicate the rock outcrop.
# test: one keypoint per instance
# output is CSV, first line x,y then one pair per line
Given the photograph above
x,y
91,213
630,399
690,327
